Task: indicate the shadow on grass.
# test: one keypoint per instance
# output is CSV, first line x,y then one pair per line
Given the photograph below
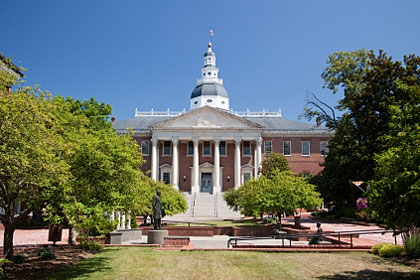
x,y
368,274
98,263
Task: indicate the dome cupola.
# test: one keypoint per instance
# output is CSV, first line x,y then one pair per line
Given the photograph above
x,y
209,90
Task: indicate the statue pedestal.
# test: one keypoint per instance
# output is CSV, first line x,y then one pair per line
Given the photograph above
x,y
156,236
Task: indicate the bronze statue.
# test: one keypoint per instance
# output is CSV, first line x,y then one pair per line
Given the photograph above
x,y
317,238
157,211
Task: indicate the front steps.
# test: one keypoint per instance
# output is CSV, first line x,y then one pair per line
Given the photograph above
x,y
202,206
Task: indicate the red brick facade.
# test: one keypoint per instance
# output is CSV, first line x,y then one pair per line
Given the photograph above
x,y
298,163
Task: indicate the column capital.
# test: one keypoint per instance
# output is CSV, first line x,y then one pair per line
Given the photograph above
x,y
216,140
238,141
175,141
196,140
154,141
258,140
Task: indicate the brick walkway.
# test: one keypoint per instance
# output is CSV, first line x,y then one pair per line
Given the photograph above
x,y
30,237
33,237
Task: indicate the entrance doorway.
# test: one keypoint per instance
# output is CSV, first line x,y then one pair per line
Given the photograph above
x,y
206,182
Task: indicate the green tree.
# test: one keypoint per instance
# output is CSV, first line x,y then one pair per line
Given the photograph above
x,y
395,191
282,192
369,85
273,162
30,164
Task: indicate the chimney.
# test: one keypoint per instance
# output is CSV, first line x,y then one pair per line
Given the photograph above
x,y
318,121
113,119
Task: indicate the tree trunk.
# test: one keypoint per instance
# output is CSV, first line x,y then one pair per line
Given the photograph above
x,y
72,236
9,230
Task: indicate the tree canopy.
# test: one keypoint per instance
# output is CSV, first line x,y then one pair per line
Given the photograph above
x,y
368,81
63,155
273,162
282,192
395,190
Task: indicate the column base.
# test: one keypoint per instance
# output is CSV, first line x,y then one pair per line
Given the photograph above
x,y
157,236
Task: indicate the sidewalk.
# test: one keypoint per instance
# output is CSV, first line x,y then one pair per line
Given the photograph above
x,y
30,237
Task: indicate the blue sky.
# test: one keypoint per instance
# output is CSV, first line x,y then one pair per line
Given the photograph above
x,y
148,54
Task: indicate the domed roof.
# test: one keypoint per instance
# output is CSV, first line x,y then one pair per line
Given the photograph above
x,y
209,89
209,51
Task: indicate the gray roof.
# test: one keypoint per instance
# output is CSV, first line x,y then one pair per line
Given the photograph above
x,y
280,124
139,123
142,123
209,89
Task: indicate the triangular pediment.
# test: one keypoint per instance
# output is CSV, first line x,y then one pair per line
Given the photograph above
x,y
207,118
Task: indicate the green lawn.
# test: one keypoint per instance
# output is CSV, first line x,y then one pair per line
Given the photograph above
x,y
149,263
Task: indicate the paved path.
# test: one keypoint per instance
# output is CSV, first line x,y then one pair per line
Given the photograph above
x,y
40,236
33,237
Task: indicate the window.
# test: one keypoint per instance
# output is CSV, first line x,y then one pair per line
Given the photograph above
x,y
267,147
222,148
195,102
206,148
246,148
287,148
145,148
166,178
324,149
209,100
190,149
247,176
306,148
167,148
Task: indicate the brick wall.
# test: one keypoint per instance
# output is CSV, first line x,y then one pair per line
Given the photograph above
x,y
297,162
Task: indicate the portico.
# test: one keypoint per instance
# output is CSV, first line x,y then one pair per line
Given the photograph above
x,y
206,171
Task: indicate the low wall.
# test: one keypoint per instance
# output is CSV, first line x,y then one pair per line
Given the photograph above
x,y
185,231
119,236
97,239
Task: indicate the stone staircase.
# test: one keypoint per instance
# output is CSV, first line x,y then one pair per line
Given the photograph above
x,y
202,206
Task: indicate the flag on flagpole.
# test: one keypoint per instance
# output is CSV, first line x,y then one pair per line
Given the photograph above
x,y
211,32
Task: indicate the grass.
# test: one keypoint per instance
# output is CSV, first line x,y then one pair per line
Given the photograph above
x,y
149,263
235,223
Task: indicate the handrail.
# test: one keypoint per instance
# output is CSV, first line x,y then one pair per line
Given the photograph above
x,y
189,223
339,234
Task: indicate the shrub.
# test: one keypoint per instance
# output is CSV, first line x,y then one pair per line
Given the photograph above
x,y
20,258
89,245
412,246
46,254
390,250
2,262
270,220
375,249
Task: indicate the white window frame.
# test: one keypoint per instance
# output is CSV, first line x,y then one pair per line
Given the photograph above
x,y
290,148
166,168
309,148
170,148
266,146
326,148
243,148
210,150
146,142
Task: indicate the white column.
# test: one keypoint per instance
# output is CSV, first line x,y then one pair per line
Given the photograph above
x,y
216,173
118,219
154,159
129,221
195,185
259,157
175,162
255,161
123,221
237,163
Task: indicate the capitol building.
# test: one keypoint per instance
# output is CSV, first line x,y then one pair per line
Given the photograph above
x,y
211,148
